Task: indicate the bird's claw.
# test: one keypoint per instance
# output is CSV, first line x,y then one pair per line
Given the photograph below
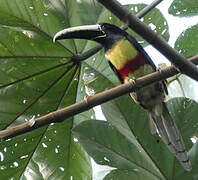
x,y
132,80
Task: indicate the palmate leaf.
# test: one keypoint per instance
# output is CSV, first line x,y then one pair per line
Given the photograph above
x,y
37,77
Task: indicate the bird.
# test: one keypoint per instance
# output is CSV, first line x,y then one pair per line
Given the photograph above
x,y
129,61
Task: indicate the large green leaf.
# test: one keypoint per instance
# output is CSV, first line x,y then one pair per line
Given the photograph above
x,y
130,119
37,77
183,8
127,174
100,140
187,42
131,148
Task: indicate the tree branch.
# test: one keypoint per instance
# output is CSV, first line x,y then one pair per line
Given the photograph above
x,y
84,105
152,37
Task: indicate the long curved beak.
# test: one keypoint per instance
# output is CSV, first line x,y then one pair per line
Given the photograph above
x,y
89,32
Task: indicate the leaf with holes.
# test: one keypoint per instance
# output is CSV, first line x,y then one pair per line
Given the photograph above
x,y
184,8
38,76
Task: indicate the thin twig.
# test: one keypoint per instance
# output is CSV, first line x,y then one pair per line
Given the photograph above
x,y
89,53
151,37
148,8
84,105
97,48
145,11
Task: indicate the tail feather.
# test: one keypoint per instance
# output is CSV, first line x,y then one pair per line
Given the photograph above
x,y
163,134
152,125
170,135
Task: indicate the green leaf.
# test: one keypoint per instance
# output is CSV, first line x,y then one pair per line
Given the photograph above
x,y
183,8
187,42
131,120
38,76
100,140
154,19
126,175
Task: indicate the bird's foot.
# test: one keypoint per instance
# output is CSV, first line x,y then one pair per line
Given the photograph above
x,y
132,80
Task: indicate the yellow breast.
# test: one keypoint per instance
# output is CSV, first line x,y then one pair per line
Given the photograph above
x,y
121,53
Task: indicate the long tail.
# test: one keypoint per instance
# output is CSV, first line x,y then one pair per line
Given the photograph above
x,y
163,124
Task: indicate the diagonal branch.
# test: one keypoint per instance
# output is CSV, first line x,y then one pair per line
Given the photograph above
x,y
84,105
152,37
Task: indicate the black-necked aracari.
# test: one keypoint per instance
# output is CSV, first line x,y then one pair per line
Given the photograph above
x,y
129,61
